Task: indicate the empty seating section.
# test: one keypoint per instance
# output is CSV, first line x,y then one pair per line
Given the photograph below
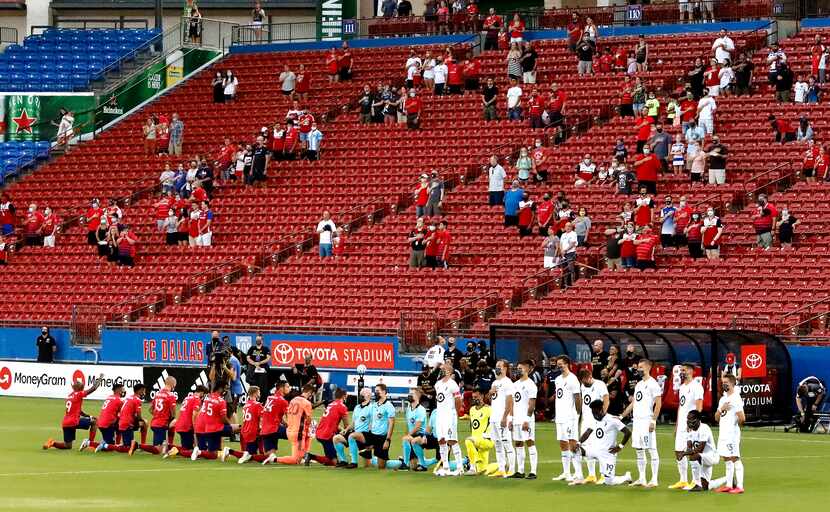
x,y
18,155
67,60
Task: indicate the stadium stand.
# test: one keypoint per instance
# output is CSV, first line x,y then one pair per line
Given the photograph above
x,y
17,156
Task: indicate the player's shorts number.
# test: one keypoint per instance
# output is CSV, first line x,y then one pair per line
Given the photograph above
x,y
609,469
730,447
646,439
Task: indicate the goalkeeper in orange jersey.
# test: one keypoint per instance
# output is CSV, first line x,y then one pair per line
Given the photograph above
x,y
298,418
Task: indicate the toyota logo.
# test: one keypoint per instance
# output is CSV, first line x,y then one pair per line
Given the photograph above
x,y
754,361
78,376
5,378
283,353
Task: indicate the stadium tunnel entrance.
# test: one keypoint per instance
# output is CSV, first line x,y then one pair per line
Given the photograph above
x,y
761,360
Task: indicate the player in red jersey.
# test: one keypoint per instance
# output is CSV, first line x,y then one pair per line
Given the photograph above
x,y
73,419
212,423
163,409
335,420
184,423
130,420
108,419
249,439
298,418
272,428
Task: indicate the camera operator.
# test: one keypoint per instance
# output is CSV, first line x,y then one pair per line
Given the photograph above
x,y
220,368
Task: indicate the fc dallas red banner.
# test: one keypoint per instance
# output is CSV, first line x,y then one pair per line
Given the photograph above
x,y
753,361
333,355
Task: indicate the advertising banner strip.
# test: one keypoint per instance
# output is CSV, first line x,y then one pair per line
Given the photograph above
x,y
54,380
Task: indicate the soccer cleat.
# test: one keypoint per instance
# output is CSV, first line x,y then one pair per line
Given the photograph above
x,y
171,453
531,476
351,465
223,455
49,443
689,487
637,483
652,484
679,485
420,469
306,459
341,464
562,477
577,482
404,466
133,446
471,472
457,472
626,478
271,458
590,479
696,488
440,472
497,474
601,479
245,458
84,445
736,490
196,453
724,489
517,475
103,446
164,447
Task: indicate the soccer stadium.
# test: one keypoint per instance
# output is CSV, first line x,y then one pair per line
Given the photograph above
x,y
457,255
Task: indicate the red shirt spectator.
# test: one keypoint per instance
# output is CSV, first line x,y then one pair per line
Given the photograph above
x,y
517,28
226,154
472,9
620,59
93,217
810,156
413,105
198,195
291,137
643,126
646,246
432,248
647,166
682,216
127,243
574,29
276,139
643,213
688,109
544,211
422,193
784,126
504,41
454,76
606,62
303,81
339,243
34,221
444,240
345,60
556,99
50,223
472,68
536,104
331,62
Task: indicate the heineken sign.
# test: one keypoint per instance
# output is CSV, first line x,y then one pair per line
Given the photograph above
x,y
23,113
36,116
330,16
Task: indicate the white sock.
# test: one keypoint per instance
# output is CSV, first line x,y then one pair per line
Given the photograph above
x,y
641,465
655,464
459,459
445,455
739,474
511,458
696,472
591,464
534,458
614,480
730,473
683,469
577,463
566,462
520,459
499,454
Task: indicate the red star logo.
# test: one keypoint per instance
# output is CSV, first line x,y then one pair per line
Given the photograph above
x,y
24,122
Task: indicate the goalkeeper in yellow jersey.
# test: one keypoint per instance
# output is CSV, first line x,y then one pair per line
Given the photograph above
x,y
479,443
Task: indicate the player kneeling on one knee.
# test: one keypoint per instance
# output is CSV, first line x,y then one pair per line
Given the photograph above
x,y
599,443
700,450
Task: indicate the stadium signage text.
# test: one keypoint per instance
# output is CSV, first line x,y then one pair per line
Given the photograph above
x,y
173,350
333,354
53,380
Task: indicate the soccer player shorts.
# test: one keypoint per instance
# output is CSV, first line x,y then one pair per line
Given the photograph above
x,y
127,436
108,434
212,441
567,430
681,438
69,432
641,438
607,461
328,448
376,442
729,444
186,440
497,432
271,441
159,435
520,434
252,447
446,427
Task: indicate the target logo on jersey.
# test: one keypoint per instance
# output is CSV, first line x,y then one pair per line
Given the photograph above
x,y
517,397
683,400
638,396
559,393
476,424
440,397
587,399
600,433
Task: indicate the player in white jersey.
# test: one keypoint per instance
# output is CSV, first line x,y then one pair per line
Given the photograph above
x,y
599,444
645,409
592,391
690,398
700,450
568,409
730,416
448,403
501,408
524,421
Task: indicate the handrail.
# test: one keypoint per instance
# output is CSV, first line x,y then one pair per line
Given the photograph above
x,y
8,35
160,39
116,23
806,307
770,171
787,177
795,328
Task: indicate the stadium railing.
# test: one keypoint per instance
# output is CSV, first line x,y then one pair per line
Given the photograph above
x,y
8,35
805,319
92,23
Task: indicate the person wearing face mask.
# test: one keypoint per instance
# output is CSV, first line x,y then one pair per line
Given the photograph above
x,y
711,232
313,140
512,198
448,398
33,225
786,227
682,215
647,166
431,247
526,216
646,247
660,143
643,214
524,166
690,398
413,106
46,346
501,399
478,443
544,214
763,222
628,253
585,171
694,236
613,247
645,409
669,223
93,218
416,423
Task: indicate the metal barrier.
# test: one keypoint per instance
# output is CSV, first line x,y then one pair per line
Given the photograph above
x,y
121,22
8,35
207,33
275,33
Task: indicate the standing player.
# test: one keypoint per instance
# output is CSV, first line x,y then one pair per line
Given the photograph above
x,y
700,449
448,398
646,409
416,424
501,398
690,398
361,422
730,417
249,433
479,443
185,423
592,390
568,409
599,443
272,428
335,415
108,419
379,435
130,420
72,419
524,421
298,418
164,412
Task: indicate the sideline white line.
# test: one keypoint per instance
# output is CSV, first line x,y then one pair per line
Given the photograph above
x,y
144,470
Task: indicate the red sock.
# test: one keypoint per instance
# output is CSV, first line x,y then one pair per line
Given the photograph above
x,y
92,430
259,457
119,448
323,460
236,453
185,453
155,450
94,444
118,438
144,436
208,455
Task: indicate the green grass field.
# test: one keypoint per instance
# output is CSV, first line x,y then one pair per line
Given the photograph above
x,y
783,472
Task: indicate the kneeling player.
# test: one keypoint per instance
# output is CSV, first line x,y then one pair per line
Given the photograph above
x,y
298,418
164,412
272,428
700,450
416,423
130,420
184,425
335,415
72,419
249,433
601,444
212,424
108,419
479,443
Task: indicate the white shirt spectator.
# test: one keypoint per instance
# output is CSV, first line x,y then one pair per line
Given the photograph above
x,y
429,69
167,177
800,90
315,136
288,79
587,168
706,107
325,236
723,47
413,64
497,176
434,356
568,242
440,72
726,76
230,86
514,95
775,57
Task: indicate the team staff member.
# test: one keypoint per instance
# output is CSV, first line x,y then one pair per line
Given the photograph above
x,y
259,356
46,346
416,422
808,398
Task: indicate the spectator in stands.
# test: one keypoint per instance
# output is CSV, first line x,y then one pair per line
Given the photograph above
x,y
496,176
218,86
127,241
471,69
823,163
325,229
582,226
338,243
455,76
417,244
711,232
524,166
696,78
391,103
775,57
404,9
643,213
805,130
66,131
585,171
176,134
783,84
516,29
726,77
93,216
149,130
660,143
628,251
514,101
257,19
435,196
8,215
194,25
440,72
388,8
332,66
693,235
204,223
568,243
646,247
512,198
711,79
489,94
33,224
800,89
526,216
514,62
314,141
444,242
706,108
678,155
647,166
170,227
591,32
641,54
556,106
288,81
723,47
638,96
49,227
764,223
345,62
167,179
550,249
574,29
783,131
231,83
492,26
786,227
585,56
528,61
431,248
717,156
303,83
743,70
412,67
421,196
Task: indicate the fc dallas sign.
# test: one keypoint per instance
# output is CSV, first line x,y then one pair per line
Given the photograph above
x,y
332,354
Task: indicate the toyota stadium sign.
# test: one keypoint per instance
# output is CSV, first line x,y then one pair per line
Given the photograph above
x,y
54,380
378,356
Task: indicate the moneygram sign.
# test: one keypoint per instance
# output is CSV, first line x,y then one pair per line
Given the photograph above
x,y
380,356
55,380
